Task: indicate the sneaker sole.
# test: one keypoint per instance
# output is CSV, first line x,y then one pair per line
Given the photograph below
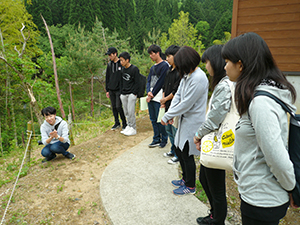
x,y
153,146
184,194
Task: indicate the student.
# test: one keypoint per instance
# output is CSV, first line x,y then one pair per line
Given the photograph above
x,y
129,90
112,81
55,135
154,85
262,168
213,180
189,103
169,89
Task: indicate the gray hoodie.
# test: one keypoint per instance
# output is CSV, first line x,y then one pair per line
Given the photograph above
x,y
189,103
262,168
62,131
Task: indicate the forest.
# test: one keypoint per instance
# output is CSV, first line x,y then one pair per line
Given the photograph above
x,y
81,31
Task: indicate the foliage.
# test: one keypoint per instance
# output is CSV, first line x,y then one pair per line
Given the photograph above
x,y
181,33
10,26
226,38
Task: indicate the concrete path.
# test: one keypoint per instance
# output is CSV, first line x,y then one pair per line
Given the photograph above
x,y
135,189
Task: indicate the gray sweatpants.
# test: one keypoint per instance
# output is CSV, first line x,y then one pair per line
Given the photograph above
x,y
128,102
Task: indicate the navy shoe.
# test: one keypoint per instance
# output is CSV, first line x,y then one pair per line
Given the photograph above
x,y
184,190
178,183
154,144
163,144
47,159
70,155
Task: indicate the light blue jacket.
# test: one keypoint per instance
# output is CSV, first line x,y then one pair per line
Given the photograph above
x,y
220,106
189,103
262,168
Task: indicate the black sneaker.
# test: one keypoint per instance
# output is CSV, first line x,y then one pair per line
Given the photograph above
x,y
47,159
70,155
116,126
162,144
205,220
154,144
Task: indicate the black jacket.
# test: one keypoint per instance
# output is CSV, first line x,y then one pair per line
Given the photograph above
x,y
113,76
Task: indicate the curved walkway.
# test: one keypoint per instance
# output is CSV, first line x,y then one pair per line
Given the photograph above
x,y
135,189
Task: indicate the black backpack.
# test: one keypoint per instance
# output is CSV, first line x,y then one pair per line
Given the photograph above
x,y
294,142
142,85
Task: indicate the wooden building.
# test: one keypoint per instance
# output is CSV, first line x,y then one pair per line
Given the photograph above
x,y
278,23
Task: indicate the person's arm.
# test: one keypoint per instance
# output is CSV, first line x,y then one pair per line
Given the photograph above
x,y
46,139
268,135
136,74
192,93
220,106
176,83
149,80
107,76
64,135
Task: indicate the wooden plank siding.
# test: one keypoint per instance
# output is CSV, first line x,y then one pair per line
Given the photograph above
x,y
277,22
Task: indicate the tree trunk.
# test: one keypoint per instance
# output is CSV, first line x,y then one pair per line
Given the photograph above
x,y
92,96
1,140
72,101
55,71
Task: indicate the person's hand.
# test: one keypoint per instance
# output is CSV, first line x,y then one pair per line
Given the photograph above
x,y
171,121
150,94
148,99
163,123
198,146
163,101
53,134
292,203
107,94
197,142
162,106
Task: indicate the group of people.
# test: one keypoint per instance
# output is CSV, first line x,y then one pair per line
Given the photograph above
x,y
261,166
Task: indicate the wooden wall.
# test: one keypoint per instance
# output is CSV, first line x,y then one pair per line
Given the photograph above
x,y
277,22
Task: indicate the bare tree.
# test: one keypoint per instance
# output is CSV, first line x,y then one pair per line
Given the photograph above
x,y
55,70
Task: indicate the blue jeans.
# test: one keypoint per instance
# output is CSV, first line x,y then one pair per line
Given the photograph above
x,y
171,131
160,134
50,150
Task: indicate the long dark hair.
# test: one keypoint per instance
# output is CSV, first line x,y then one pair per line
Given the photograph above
x,y
213,54
258,64
186,60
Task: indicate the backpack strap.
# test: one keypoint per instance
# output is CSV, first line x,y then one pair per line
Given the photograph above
x,y
57,125
279,101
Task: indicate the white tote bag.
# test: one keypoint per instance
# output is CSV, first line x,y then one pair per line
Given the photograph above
x,y
217,147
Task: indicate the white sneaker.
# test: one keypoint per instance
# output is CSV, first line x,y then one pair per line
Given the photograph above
x,y
126,129
130,131
174,160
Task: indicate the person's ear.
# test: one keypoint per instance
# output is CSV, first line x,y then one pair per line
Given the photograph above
x,y
240,65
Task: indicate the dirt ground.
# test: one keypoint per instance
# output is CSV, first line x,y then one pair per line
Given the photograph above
x,y
67,192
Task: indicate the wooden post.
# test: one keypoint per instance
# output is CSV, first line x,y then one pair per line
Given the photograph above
x,y
29,131
72,143
1,141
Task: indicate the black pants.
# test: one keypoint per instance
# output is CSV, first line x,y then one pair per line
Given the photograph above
x,y
253,215
187,164
213,183
116,105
